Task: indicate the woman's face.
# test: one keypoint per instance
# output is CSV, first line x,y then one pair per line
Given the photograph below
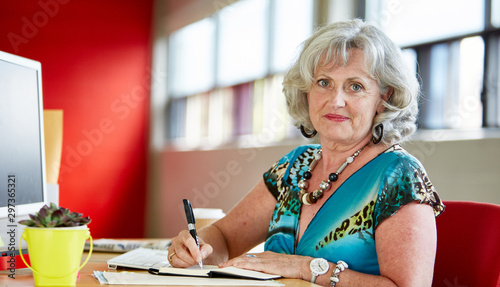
x,y
343,101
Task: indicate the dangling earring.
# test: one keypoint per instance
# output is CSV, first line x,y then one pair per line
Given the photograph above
x,y
378,130
305,134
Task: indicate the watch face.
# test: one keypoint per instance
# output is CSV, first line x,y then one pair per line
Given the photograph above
x,y
319,266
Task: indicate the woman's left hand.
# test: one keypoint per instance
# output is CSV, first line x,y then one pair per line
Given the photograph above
x,y
288,266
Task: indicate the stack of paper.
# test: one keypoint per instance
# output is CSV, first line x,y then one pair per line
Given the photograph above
x,y
229,276
115,278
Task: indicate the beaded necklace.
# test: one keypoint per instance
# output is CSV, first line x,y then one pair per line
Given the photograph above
x,y
312,197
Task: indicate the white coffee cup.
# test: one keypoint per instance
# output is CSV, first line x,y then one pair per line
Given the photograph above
x,y
206,216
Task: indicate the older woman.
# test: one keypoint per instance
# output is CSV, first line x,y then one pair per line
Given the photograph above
x,y
356,209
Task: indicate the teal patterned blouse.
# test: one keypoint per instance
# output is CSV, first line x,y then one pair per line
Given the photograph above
x,y
344,227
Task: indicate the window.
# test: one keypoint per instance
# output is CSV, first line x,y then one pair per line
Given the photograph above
x,y
225,74
225,71
414,22
292,23
450,39
243,41
495,13
192,59
452,76
491,92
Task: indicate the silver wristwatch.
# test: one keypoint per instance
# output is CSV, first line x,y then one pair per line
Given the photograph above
x,y
319,266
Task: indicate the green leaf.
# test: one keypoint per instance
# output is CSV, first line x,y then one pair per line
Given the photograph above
x,y
53,206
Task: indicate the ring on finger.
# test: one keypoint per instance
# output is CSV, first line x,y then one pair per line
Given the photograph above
x,y
251,255
170,256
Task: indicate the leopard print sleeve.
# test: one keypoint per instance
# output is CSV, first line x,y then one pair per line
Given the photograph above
x,y
271,178
277,177
405,181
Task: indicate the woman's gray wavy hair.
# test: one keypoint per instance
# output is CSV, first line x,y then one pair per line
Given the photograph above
x,y
384,61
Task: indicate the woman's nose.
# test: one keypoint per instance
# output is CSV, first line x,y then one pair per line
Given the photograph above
x,y
337,98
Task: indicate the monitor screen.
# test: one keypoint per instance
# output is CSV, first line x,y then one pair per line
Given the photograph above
x,y
22,162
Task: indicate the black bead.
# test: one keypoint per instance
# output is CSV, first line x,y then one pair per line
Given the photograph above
x,y
317,194
307,175
311,199
333,177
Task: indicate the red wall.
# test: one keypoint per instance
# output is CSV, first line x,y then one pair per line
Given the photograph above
x,y
96,59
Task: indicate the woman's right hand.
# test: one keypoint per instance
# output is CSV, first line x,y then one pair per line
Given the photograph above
x,y
183,252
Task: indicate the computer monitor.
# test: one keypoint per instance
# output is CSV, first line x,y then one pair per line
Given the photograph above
x,y
22,152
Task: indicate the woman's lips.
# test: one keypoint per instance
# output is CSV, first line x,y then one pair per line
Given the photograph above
x,y
336,117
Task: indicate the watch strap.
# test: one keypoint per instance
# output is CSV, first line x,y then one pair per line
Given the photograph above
x,y
313,278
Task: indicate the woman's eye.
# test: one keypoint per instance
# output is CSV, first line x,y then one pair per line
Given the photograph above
x,y
356,87
323,83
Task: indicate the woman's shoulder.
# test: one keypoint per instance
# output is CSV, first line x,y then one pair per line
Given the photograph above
x,y
406,180
298,156
397,155
300,151
278,175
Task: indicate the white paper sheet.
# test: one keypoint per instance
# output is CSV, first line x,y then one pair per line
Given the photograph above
x,y
149,279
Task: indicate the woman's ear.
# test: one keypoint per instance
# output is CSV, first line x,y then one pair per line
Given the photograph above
x,y
387,94
385,97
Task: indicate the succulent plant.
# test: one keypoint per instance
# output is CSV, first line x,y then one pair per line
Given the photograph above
x,y
54,216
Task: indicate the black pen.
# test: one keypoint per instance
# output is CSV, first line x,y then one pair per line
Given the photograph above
x,y
188,209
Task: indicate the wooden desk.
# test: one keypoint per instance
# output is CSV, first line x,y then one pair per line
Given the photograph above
x,y
97,262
